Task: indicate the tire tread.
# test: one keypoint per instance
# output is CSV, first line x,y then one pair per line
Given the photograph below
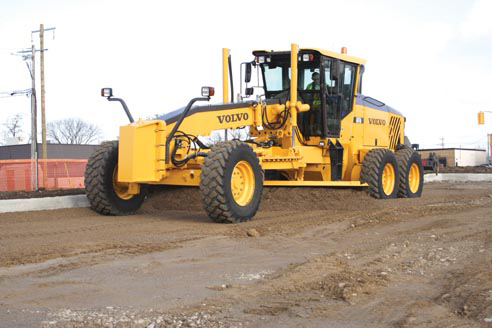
x,y
371,168
212,180
96,189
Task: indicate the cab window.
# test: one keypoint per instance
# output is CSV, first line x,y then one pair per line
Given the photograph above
x,y
328,81
274,78
333,100
348,85
307,79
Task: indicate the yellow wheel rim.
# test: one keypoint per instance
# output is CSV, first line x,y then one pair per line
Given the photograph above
x,y
388,179
120,188
242,183
414,178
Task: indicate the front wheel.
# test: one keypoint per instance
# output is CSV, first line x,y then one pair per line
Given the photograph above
x,y
106,194
231,182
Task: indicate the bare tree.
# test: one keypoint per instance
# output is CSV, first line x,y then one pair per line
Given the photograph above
x,y
13,126
73,131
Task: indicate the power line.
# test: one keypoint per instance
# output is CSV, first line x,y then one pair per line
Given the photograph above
x,y
8,94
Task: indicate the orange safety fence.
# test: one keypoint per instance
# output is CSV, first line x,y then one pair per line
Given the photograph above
x,y
53,174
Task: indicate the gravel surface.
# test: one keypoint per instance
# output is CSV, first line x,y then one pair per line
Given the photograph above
x,y
312,257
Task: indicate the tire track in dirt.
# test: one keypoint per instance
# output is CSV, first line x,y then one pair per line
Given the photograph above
x,y
360,262
89,257
381,279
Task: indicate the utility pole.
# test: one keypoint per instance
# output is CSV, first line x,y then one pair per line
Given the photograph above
x,y
442,142
490,146
34,133
30,55
43,108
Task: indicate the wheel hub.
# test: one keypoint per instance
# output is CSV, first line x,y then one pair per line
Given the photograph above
x,y
242,183
121,189
414,178
388,179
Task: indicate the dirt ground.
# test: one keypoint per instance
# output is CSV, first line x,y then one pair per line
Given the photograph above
x,y
312,257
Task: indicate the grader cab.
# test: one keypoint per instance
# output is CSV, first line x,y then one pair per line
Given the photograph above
x,y
309,125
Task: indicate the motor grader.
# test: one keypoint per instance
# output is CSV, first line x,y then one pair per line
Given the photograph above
x,y
309,125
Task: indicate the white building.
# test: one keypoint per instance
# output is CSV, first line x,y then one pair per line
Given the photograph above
x,y
457,156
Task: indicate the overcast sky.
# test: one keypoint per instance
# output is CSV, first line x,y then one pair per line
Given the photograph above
x,y
428,59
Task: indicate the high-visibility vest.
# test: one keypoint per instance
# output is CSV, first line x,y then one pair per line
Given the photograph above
x,y
310,86
316,98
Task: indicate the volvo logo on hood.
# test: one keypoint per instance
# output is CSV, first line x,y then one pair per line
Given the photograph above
x,y
232,118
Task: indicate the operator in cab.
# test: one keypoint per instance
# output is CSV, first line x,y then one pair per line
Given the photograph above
x,y
314,115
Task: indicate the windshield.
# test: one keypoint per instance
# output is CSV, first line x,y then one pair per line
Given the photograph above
x,y
275,77
277,74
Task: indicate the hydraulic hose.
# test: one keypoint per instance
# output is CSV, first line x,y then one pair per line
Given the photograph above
x,y
178,123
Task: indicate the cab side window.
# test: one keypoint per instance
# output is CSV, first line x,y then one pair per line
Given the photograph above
x,y
332,100
339,93
348,77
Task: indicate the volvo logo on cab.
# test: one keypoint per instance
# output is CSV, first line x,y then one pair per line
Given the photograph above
x,y
233,118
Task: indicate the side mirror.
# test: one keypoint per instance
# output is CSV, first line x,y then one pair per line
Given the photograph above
x,y
335,70
107,92
249,91
247,77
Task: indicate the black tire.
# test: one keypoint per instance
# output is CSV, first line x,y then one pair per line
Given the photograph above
x,y
99,183
406,158
372,172
215,182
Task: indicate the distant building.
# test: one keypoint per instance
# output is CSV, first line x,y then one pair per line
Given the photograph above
x,y
14,140
55,151
456,156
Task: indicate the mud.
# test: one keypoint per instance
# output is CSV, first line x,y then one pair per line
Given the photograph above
x,y
319,257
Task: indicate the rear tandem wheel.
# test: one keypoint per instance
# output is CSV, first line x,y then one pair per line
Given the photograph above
x,y
380,172
411,173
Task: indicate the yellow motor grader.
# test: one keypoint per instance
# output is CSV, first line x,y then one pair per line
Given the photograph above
x,y
309,125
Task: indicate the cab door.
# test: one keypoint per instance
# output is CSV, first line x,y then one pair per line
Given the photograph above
x,y
348,72
338,94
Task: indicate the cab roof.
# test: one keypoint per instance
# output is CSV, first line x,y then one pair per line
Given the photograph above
x,y
327,53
